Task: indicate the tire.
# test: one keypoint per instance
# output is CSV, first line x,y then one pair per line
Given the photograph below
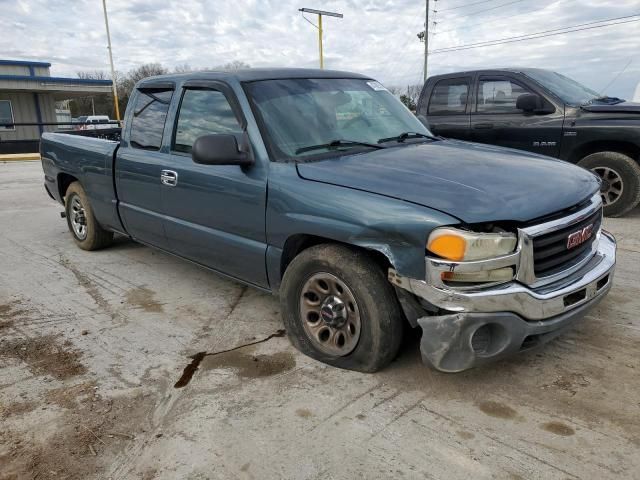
x,y
621,181
80,214
353,277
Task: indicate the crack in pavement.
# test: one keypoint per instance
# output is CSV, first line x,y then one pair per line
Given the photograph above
x,y
197,358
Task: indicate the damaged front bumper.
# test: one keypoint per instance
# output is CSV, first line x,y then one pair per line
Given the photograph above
x,y
475,326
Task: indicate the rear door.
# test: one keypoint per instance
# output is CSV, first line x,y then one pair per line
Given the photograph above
x,y
497,121
447,110
139,164
215,214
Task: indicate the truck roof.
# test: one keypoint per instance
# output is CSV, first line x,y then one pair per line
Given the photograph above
x,y
254,74
493,70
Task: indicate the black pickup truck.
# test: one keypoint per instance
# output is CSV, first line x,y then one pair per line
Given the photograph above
x,y
543,112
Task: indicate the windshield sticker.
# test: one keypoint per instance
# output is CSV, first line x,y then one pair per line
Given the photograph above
x,y
377,86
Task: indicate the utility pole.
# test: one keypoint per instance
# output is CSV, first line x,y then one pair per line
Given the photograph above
x,y
113,72
320,13
426,39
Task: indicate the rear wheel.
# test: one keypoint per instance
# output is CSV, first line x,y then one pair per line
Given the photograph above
x,y
620,175
85,229
339,308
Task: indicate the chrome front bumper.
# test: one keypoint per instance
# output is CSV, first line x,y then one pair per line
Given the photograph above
x,y
530,302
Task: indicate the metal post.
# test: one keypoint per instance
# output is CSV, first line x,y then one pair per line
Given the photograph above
x,y
320,13
113,72
320,39
426,40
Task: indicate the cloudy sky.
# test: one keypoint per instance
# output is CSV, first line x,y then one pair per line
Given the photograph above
x,y
377,37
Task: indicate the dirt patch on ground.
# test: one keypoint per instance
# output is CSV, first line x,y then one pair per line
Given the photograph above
x,y
91,434
497,409
16,409
9,312
558,428
69,397
570,383
142,297
247,365
44,356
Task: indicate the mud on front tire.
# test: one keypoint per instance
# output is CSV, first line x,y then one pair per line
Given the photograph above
x,y
80,214
620,172
381,322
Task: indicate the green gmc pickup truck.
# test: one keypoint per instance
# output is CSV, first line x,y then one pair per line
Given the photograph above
x,y
321,187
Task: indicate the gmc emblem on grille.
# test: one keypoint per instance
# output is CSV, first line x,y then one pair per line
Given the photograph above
x,y
579,237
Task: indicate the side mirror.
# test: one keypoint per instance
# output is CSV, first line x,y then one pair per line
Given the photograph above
x,y
222,149
532,103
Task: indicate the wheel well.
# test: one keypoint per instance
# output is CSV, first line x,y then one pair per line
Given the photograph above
x,y
64,180
626,148
298,243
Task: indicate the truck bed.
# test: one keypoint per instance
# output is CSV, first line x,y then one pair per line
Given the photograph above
x,y
66,158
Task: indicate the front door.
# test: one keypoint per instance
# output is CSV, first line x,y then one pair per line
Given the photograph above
x,y
215,214
497,121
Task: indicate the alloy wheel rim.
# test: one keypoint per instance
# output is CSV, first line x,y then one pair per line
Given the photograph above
x,y
612,185
78,218
330,314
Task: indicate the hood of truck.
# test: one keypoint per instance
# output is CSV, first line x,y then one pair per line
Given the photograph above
x,y
473,182
623,107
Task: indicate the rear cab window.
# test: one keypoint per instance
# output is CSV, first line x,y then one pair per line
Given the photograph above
x,y
449,97
149,116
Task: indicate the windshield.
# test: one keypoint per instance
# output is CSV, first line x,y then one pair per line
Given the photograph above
x,y
569,91
309,117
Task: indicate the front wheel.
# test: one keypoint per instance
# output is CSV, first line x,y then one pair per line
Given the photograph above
x,y
620,175
85,229
339,308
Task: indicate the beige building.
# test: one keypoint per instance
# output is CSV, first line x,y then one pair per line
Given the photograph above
x,y
28,96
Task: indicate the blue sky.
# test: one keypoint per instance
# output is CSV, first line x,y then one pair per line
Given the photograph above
x,y
376,37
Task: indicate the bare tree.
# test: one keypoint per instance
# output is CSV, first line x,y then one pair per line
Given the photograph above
x,y
184,68
125,84
232,66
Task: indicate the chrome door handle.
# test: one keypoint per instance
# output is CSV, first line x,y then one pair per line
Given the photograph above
x,y
169,177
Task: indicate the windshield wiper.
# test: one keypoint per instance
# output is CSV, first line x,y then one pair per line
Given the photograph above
x,y
336,144
403,136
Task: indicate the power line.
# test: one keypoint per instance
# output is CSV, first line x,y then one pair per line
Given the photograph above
x,y
492,8
536,35
616,77
467,25
545,31
467,5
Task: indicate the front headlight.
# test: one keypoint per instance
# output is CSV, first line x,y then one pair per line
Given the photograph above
x,y
461,245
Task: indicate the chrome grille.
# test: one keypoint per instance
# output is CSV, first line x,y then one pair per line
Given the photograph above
x,y
550,252
544,256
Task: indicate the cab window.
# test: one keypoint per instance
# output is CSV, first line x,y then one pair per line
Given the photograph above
x,y
449,97
203,112
149,115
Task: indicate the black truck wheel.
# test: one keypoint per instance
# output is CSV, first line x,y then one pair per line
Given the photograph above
x,y
620,176
85,229
339,308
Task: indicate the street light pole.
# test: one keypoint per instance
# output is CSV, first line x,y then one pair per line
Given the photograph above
x,y
320,40
320,13
113,72
426,40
